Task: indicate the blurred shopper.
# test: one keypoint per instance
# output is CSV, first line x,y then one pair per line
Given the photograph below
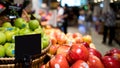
x,y
71,17
109,25
88,20
81,22
96,16
65,18
60,11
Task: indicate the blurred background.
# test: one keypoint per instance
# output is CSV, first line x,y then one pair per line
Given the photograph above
x,y
46,12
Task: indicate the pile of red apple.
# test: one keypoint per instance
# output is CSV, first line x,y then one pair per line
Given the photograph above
x,y
73,50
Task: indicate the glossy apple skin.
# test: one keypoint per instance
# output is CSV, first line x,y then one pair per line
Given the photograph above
x,y
63,49
110,62
94,62
78,40
116,56
95,52
74,35
115,53
85,44
53,40
78,52
53,49
42,66
69,59
115,50
87,38
61,38
59,61
80,64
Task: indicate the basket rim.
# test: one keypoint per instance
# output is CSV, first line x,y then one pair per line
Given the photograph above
x,y
13,58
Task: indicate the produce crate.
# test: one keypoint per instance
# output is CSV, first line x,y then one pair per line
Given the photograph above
x,y
36,63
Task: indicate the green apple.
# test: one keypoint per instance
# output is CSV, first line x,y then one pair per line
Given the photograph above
x,y
27,25
6,24
32,32
2,51
10,33
24,31
10,50
20,23
16,29
2,38
39,30
33,24
45,41
6,45
2,28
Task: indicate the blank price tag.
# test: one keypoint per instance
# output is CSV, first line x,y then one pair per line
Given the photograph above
x,y
27,45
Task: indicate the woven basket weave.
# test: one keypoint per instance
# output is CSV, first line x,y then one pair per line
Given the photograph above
x,y
36,63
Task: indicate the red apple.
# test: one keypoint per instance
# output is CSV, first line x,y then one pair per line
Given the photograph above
x,y
94,62
85,44
58,61
53,49
113,50
78,40
114,53
53,34
110,62
80,64
78,52
95,52
63,50
69,34
53,40
87,38
69,59
70,41
74,35
42,66
61,38
116,56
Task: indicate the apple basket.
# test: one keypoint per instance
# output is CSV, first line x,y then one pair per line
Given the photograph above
x,y
36,63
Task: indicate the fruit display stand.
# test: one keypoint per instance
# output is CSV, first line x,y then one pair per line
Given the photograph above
x,y
21,27
36,63
73,50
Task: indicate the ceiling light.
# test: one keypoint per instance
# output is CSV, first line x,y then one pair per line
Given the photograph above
x,y
111,1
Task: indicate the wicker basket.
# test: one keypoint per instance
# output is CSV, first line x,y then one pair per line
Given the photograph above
x,y
36,63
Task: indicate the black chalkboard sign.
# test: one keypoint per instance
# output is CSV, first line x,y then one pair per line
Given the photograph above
x,y
27,46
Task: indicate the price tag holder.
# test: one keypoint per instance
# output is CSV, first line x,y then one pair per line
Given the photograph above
x,y
27,46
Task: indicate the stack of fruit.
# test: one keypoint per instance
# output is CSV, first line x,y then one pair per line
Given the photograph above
x,y
19,27
73,50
